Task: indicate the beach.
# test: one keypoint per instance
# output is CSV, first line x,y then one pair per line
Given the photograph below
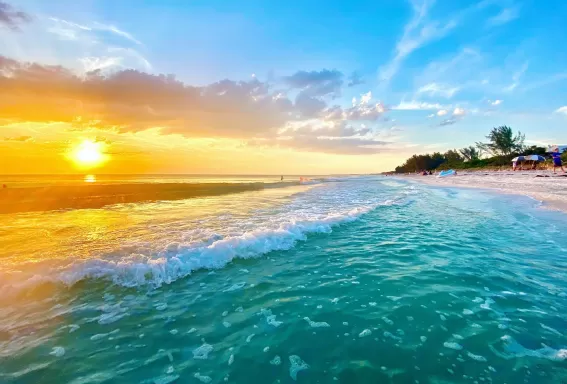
x,y
345,279
544,186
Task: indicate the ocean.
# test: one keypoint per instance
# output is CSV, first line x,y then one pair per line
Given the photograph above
x,y
365,279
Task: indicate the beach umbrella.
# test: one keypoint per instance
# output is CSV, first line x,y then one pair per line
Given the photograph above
x,y
534,158
519,158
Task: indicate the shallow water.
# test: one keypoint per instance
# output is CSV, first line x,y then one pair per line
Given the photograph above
x,y
360,281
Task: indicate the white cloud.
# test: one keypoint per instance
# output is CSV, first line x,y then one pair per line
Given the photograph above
x,y
562,110
505,16
365,98
417,106
442,112
516,78
417,33
430,116
495,102
435,89
116,31
458,112
99,63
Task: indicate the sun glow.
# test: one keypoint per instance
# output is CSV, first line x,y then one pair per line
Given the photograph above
x,y
88,154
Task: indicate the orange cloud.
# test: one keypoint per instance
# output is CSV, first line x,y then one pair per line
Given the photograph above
x,y
134,101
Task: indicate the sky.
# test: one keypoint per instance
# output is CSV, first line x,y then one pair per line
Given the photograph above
x,y
265,87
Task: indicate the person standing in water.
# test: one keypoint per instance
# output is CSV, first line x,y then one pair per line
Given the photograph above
x,y
281,179
556,155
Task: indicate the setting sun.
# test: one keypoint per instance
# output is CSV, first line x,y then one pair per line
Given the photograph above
x,y
88,154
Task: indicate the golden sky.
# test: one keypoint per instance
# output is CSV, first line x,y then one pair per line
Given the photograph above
x,y
145,123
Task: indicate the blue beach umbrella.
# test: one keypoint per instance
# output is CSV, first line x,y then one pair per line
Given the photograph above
x,y
528,158
534,158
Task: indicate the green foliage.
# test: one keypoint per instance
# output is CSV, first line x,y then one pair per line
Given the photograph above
x,y
503,142
504,146
470,153
535,150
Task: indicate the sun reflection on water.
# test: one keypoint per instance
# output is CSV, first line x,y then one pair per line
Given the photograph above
x,y
90,178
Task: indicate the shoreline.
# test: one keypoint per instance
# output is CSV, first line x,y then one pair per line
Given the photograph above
x,y
539,185
20,200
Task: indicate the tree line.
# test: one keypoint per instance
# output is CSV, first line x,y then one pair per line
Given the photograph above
x,y
501,147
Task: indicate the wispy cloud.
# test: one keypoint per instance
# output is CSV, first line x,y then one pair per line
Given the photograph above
x,y
495,102
435,89
446,122
546,81
116,31
417,106
91,63
442,112
504,16
12,18
417,33
562,110
516,77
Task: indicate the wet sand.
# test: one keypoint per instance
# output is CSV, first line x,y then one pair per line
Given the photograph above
x,y
13,200
544,186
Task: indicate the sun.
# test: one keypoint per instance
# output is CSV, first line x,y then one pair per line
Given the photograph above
x,y
88,154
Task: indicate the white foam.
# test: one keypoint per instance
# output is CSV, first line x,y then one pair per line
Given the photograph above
x,y
266,349
387,321
99,336
249,338
366,332
164,379
297,365
181,259
276,360
231,360
467,312
57,351
226,324
235,287
552,330
392,336
202,353
73,328
270,318
315,324
476,357
202,378
161,307
453,345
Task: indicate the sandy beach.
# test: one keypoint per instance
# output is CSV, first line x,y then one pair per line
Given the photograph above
x,y
549,188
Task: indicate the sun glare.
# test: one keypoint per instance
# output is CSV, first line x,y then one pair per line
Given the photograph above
x,y
88,154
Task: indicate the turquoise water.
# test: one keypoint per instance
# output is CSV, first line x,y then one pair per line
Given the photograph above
x,y
359,280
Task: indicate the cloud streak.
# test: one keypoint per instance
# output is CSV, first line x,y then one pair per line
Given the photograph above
x,y
417,33
505,16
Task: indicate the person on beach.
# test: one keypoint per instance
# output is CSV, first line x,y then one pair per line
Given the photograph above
x,y
514,165
556,155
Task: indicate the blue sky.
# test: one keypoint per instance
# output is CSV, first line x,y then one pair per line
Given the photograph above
x,y
445,72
